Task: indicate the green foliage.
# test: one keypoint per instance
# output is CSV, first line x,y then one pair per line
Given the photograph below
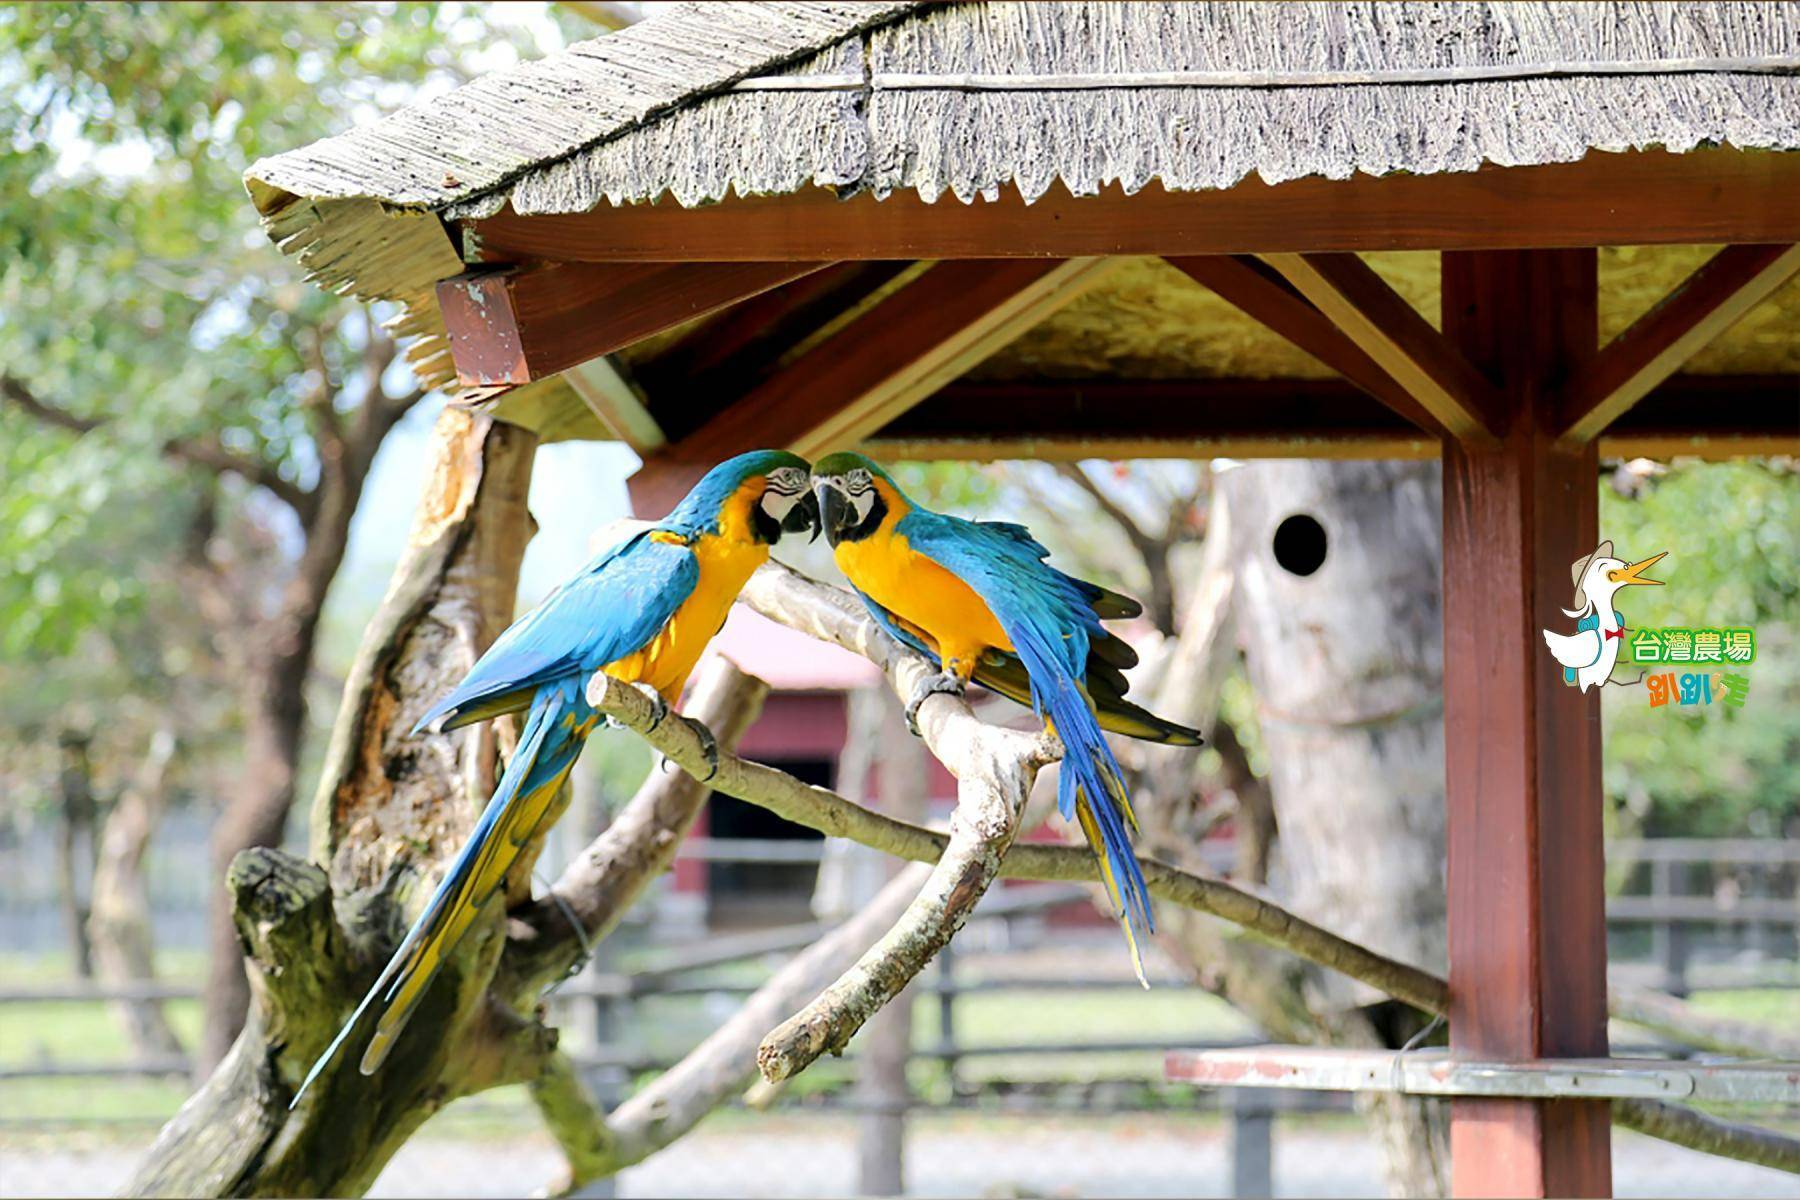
x,y
1732,531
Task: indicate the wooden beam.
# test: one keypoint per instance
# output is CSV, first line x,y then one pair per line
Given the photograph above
x,y
1710,416
745,344
1261,293
1706,304
1071,420
1400,341
1634,198
1707,416
515,326
615,403
876,367
1527,915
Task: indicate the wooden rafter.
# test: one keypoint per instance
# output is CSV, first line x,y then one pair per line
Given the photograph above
x,y
1262,294
876,367
515,326
615,403
1703,306
1071,420
746,343
1637,198
1402,342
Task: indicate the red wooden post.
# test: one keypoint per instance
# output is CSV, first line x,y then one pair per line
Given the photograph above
x,y
1526,902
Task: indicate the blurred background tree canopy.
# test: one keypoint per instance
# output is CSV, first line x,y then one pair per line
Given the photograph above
x,y
186,426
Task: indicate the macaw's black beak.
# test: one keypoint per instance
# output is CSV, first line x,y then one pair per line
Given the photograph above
x,y
835,512
803,516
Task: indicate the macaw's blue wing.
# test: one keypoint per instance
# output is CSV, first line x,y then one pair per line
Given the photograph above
x,y
1051,619
618,602
614,608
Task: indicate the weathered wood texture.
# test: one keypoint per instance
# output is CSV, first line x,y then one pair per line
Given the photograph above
x,y
1640,198
1526,871
516,326
1656,346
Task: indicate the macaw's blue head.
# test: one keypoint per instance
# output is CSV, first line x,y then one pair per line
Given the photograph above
x,y
855,496
755,496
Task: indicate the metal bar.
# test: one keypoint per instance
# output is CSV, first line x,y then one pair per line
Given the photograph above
x,y
1436,1073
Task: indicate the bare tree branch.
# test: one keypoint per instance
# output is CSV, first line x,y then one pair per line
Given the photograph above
x,y
719,1066
1680,1021
1709,1134
206,454
639,844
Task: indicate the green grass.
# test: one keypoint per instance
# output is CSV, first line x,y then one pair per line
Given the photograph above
x,y
669,1026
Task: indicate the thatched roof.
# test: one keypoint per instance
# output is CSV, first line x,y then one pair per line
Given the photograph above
x,y
966,99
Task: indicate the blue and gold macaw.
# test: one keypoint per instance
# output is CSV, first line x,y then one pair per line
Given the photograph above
x,y
980,598
642,612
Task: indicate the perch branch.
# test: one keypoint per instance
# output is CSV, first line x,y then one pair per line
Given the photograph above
x,y
836,816
1708,1134
827,613
640,844
994,768
719,1066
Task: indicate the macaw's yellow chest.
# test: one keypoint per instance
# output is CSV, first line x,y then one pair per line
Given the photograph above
x,y
923,595
726,564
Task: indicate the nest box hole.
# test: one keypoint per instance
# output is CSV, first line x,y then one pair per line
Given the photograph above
x,y
1300,544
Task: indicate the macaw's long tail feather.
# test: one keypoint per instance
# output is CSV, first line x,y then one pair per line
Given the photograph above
x,y
521,806
1091,792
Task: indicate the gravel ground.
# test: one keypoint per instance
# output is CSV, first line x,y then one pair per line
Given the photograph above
x,y
1049,1158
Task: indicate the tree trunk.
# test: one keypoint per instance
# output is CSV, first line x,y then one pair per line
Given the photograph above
x,y
275,715
119,925
75,845
1343,642
885,1045
388,806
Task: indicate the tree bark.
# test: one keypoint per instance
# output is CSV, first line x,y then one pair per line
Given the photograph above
x,y
387,806
1347,665
277,663
119,925
75,844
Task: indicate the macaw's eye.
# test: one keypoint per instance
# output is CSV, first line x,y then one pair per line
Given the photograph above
x,y
858,480
789,481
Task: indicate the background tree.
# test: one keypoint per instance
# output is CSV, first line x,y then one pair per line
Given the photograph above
x,y
186,425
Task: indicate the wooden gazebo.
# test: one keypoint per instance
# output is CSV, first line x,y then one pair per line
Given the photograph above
x,y
1521,237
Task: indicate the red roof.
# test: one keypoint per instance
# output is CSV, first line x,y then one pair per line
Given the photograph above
x,y
787,660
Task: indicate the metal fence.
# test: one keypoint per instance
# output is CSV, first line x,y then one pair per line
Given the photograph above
x,y
1691,915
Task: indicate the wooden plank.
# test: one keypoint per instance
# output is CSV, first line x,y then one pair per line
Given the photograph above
x,y
1401,342
1633,198
511,327
1706,304
1070,420
615,403
1261,293
897,353
1527,911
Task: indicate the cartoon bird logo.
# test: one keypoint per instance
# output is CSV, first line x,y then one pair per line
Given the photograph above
x,y
1587,656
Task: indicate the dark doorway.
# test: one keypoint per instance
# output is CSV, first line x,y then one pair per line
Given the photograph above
x,y
751,894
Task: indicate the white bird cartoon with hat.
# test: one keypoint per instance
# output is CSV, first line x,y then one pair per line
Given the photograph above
x,y
1588,655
